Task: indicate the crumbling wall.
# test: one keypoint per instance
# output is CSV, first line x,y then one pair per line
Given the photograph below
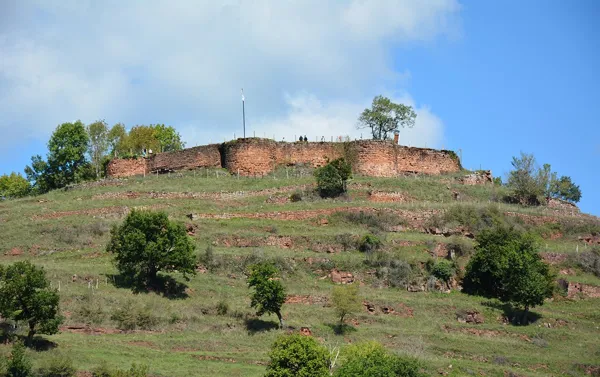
x,y
126,167
186,159
255,157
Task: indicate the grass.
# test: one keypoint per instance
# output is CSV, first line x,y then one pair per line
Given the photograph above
x,y
189,336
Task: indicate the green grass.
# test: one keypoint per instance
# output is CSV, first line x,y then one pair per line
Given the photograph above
x,y
190,338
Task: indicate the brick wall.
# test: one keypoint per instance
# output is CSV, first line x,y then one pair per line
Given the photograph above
x,y
253,156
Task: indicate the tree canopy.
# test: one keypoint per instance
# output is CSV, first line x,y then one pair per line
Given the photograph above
x,y
507,266
385,116
332,178
269,294
345,301
26,296
13,186
297,356
148,242
371,359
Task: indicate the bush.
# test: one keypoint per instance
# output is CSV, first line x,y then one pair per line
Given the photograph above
x,y
19,364
297,355
130,318
371,359
395,272
369,243
347,241
443,270
269,294
146,243
90,311
589,261
380,220
296,196
222,307
460,247
135,371
60,365
563,188
332,178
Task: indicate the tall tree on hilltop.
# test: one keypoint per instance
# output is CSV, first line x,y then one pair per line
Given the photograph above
x,y
140,138
117,139
168,139
98,134
384,117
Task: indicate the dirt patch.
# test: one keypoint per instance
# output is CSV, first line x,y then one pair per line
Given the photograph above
x,y
306,299
400,309
90,330
341,277
388,197
14,252
554,258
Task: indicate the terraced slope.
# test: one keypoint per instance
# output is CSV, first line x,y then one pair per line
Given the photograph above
x,y
186,331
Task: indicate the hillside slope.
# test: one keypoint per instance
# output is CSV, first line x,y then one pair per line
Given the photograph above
x,y
186,331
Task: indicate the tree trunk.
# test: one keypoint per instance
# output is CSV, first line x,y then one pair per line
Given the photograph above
x,y
280,319
524,320
30,334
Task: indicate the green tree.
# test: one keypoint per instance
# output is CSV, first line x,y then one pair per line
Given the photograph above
x,y
345,301
38,175
19,364
269,295
140,138
384,117
332,178
563,188
98,145
443,270
168,139
371,359
25,295
146,243
117,140
297,356
507,266
13,186
525,181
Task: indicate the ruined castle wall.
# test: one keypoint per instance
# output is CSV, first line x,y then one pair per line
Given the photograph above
x,y
255,157
119,168
191,158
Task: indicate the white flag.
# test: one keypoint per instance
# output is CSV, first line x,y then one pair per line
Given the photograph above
x,y
243,98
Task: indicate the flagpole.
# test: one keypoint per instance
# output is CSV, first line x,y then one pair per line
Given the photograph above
x,y
244,112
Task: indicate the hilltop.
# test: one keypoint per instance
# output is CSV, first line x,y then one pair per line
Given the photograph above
x,y
206,327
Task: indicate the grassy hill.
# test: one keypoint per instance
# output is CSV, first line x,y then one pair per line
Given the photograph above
x,y
207,327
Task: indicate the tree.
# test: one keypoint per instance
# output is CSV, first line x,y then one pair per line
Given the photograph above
x,y
297,356
269,295
140,138
25,295
98,146
371,359
565,189
168,139
507,266
66,158
345,301
332,178
13,186
146,243
19,364
526,181
444,271
117,139
38,175
384,117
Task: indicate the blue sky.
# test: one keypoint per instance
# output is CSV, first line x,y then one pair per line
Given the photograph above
x,y
489,78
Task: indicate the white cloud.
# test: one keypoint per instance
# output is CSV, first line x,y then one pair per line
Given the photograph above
x,y
183,63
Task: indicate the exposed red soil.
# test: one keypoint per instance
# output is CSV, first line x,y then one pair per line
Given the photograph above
x,y
554,258
15,251
306,299
388,197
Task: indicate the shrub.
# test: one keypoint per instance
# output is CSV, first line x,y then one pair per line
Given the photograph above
x,y
369,243
128,317
371,359
347,241
296,196
19,364
589,261
460,247
297,355
345,300
147,242
60,365
135,371
443,271
380,220
90,311
222,307
563,188
332,178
